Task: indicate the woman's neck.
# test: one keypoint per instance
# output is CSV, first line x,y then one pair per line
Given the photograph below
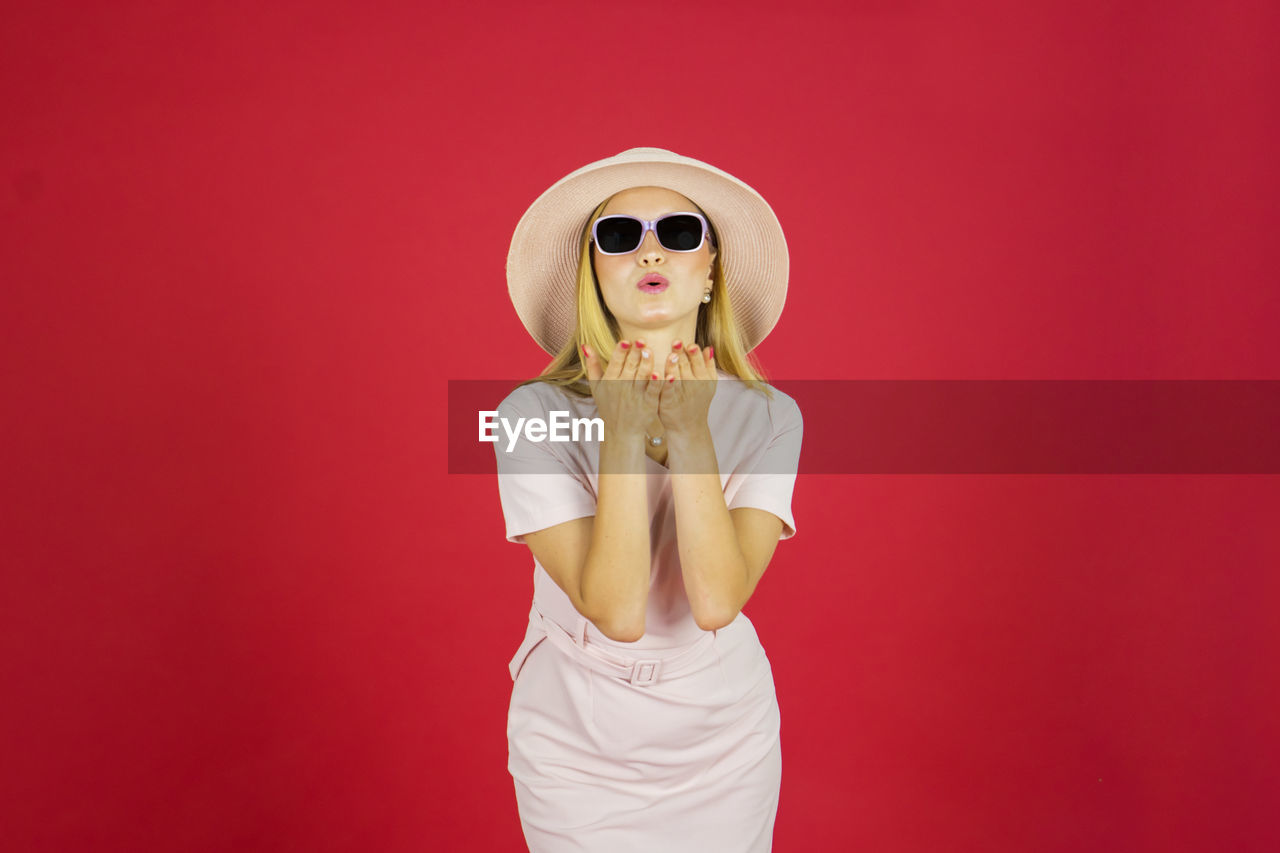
x,y
658,342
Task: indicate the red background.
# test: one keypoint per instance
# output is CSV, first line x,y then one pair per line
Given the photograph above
x,y
244,606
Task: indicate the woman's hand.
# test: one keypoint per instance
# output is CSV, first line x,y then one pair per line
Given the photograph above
x,y
689,386
626,391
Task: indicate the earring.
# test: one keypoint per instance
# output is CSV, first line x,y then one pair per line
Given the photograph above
x,y
706,296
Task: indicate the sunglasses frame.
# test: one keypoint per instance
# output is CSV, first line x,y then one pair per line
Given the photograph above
x,y
651,225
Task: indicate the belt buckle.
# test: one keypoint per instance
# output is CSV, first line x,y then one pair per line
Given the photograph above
x,y
645,671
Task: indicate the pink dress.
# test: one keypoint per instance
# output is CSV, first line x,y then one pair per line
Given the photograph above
x,y
670,742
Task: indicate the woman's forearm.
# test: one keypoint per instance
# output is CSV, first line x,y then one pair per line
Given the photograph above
x,y
615,578
711,561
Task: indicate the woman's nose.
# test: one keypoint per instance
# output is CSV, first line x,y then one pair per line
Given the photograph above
x,y
650,251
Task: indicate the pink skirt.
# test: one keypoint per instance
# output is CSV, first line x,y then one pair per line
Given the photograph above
x,y
678,750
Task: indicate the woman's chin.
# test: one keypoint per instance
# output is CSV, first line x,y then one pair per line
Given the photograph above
x,y
652,317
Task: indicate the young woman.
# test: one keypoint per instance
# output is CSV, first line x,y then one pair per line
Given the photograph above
x,y
643,714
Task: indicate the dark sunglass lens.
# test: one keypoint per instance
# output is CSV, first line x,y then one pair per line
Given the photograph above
x,y
618,235
680,233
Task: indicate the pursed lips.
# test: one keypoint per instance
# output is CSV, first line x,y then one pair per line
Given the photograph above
x,y
652,283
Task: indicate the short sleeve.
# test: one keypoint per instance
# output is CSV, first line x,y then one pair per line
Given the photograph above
x,y
771,481
535,485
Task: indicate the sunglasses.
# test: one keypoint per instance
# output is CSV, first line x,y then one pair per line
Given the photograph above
x,y
622,235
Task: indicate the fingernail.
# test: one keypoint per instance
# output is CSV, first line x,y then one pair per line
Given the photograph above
x,y
624,344
711,352
655,376
692,348
639,342
674,358
676,345
644,354
671,379
583,347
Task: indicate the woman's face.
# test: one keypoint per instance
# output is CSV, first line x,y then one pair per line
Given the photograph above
x,y
687,275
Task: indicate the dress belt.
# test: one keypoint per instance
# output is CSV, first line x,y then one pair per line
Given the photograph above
x,y
639,671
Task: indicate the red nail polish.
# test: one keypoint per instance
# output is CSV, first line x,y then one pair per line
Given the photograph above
x,y
711,352
671,379
655,376
625,345
676,345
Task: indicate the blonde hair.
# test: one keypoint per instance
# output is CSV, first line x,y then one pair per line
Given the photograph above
x,y
597,328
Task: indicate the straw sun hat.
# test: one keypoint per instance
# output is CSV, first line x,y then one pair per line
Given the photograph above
x,y
542,265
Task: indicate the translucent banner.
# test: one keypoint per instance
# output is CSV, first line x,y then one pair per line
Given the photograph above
x,y
907,427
